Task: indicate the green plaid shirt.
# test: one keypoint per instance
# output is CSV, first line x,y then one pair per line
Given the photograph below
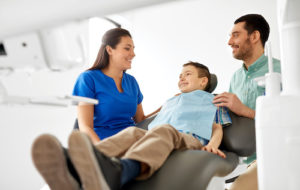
x,y
243,85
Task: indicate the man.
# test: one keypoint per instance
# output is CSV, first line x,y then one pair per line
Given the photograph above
x,y
247,40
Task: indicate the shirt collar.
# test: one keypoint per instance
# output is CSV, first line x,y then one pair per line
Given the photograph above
x,y
256,65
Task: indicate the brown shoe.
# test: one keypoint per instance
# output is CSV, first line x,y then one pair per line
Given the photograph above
x,y
96,171
49,159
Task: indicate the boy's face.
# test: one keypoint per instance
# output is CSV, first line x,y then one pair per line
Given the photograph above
x,y
189,80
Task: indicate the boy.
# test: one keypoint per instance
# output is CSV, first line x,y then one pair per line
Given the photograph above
x,y
185,121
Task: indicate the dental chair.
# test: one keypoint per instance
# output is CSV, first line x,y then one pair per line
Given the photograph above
x,y
201,170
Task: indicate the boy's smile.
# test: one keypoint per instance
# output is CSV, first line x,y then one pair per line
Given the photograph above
x,y
189,80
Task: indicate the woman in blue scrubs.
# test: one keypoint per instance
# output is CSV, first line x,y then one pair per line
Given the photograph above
x,y
118,93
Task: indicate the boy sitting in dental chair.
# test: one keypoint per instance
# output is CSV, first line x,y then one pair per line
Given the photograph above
x,y
187,121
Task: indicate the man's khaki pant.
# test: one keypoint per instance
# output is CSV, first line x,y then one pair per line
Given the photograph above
x,y
248,180
149,147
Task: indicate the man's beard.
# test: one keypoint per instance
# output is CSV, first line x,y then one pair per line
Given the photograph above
x,y
245,52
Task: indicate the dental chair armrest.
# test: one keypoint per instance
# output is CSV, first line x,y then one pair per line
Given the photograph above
x,y
144,124
240,136
187,169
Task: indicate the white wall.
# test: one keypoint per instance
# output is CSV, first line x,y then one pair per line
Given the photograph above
x,y
21,124
165,36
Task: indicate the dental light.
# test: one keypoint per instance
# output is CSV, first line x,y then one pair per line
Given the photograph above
x,y
43,100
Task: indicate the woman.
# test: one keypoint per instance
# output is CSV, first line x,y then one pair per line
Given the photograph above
x,y
118,93
119,107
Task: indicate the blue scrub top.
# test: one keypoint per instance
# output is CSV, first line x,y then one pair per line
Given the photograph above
x,y
115,110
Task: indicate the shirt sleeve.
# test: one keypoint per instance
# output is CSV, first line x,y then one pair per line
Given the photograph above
x,y
222,116
277,66
84,86
230,86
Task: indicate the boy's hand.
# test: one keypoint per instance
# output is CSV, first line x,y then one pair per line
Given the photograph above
x,y
214,150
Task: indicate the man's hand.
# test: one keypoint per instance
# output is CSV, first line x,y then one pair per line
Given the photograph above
x,y
232,102
214,150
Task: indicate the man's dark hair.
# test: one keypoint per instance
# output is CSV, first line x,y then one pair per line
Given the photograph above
x,y
256,22
203,71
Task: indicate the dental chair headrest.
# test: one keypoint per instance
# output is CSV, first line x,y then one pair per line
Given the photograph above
x,y
213,83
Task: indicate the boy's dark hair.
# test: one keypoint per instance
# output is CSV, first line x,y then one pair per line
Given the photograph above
x,y
203,71
256,22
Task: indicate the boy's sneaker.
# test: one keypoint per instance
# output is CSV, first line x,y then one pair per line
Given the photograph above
x,y
96,170
49,158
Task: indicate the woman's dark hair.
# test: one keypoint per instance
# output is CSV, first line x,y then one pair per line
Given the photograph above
x,y
111,38
203,71
256,22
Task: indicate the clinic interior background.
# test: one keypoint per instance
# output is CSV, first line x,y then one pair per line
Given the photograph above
x,y
165,36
